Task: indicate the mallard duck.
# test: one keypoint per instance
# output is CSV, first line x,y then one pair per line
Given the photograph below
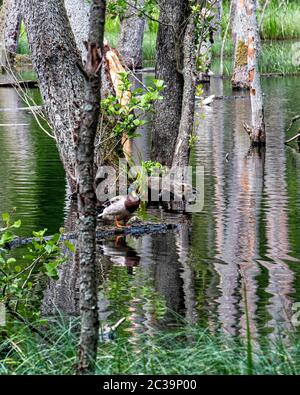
x,y
120,208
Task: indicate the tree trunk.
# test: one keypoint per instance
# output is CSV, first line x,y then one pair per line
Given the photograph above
x,y
257,131
78,14
12,29
84,142
9,31
2,42
182,150
211,9
240,28
219,14
233,19
229,23
58,66
130,44
169,68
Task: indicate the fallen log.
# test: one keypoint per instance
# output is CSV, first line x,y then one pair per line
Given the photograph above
x,y
296,137
147,70
29,109
233,97
13,124
19,84
296,118
103,233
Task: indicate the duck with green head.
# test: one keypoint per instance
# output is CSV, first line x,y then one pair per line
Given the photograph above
x,y
121,207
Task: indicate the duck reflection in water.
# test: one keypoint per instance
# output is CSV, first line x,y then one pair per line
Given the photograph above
x,y
121,253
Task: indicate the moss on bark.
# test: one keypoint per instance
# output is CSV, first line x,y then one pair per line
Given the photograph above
x,y
241,53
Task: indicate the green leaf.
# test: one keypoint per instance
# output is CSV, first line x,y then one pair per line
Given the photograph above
x,y
17,224
6,217
70,246
54,239
40,233
50,248
158,83
28,257
6,238
137,122
11,261
138,91
51,268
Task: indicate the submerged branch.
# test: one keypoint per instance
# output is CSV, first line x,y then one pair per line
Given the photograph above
x,y
293,121
104,233
296,137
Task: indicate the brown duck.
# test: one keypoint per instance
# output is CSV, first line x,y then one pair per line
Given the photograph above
x,y
121,208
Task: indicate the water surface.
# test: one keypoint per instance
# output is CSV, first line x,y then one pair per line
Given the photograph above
x,y
243,247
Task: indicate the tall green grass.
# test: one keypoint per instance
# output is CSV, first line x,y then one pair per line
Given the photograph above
x,y
112,32
276,57
23,47
281,22
190,350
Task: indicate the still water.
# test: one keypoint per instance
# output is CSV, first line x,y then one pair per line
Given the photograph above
x,y
244,245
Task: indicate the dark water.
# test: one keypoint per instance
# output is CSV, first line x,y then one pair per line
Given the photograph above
x,y
243,246
31,177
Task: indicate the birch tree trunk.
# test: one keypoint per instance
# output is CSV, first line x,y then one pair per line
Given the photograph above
x,y
257,130
211,9
233,19
169,64
219,13
10,23
57,63
2,42
84,142
130,43
240,28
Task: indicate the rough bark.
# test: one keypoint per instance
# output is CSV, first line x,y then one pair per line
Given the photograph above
x,y
59,66
12,29
257,130
131,39
182,150
169,68
168,277
188,274
2,46
84,142
10,23
57,63
78,14
240,27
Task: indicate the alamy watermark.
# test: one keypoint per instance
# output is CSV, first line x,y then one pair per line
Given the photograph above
x,y
179,184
